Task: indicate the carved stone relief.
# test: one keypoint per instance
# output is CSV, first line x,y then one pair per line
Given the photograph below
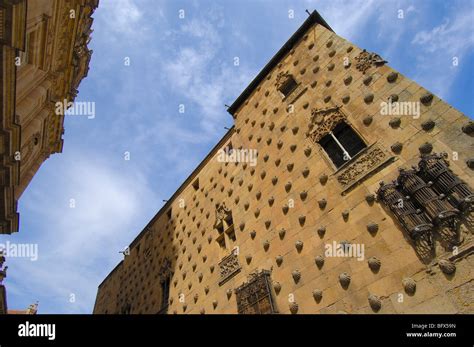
x,y
366,60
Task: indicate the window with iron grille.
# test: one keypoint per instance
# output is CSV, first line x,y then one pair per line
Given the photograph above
x,y
342,144
255,296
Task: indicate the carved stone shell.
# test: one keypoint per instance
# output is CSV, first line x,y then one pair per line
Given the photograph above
x,y
370,198
294,307
447,266
214,304
345,214
317,295
288,186
347,80
279,260
271,200
425,148
282,233
409,285
374,263
426,98
468,128
206,289
470,163
344,279
229,293
268,223
395,122
367,80
367,120
375,302
322,203
266,245
323,178
307,151
369,98
196,297
202,311
257,213
303,195
285,209
372,227
305,172
248,258
253,233
321,231
274,180
277,287
296,274
392,77
396,147
302,220
319,260
428,125
299,245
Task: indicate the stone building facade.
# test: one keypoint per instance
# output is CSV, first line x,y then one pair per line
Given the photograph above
x,y
346,210
44,57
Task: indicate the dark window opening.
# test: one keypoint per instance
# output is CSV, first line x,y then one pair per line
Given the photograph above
x,y
196,184
231,234
287,87
221,241
342,144
165,294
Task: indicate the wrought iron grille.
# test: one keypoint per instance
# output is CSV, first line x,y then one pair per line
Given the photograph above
x,y
412,219
435,168
439,211
255,296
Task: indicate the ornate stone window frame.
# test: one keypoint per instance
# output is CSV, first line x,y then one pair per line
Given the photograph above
x,y
361,165
258,288
229,266
295,93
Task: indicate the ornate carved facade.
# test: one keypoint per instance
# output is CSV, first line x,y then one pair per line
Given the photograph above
x,y
244,238
37,71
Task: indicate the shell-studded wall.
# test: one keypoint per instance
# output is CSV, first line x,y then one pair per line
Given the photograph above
x,y
276,215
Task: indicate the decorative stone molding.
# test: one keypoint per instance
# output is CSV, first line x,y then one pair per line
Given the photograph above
x,y
363,165
229,266
222,214
255,295
365,60
324,121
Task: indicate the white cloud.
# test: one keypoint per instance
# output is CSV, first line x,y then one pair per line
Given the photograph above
x,y
346,18
78,246
439,46
197,73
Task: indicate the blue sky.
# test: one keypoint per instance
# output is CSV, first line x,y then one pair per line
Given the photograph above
x,y
189,61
